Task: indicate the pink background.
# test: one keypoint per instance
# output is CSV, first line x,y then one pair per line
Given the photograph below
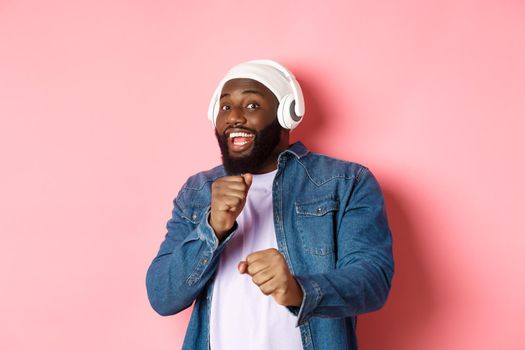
x,y
103,116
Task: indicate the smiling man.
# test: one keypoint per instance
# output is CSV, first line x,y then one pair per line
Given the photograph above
x,y
251,143
279,247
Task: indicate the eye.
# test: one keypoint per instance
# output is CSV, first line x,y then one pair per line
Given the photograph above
x,y
225,107
252,105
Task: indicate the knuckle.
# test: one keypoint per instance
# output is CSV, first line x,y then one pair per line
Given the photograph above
x,y
273,251
265,290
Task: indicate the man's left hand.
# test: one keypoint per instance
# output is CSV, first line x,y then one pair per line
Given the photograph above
x,y
269,271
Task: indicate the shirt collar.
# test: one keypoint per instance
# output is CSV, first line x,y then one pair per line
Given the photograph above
x,y
298,150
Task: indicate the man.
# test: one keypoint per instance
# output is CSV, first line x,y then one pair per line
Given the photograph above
x,y
279,247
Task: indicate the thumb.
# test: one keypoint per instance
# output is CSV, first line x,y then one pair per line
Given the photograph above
x,y
242,267
248,178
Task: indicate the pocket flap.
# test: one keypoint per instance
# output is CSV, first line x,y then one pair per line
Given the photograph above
x,y
193,214
317,207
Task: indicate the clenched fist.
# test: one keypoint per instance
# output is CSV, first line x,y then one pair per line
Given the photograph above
x,y
228,196
269,271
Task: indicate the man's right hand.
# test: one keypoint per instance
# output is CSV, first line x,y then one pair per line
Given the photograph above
x,y
228,196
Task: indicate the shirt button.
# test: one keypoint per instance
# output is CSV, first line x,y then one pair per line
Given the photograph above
x,y
319,209
194,216
204,261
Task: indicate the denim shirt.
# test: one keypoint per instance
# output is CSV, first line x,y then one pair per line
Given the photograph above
x,y
331,227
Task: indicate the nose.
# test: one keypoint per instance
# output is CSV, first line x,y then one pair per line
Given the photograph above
x,y
236,116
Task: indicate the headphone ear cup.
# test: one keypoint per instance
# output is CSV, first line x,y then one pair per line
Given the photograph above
x,y
215,112
286,113
281,114
295,119
214,106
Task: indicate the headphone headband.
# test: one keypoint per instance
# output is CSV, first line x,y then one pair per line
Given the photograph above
x,y
296,88
291,106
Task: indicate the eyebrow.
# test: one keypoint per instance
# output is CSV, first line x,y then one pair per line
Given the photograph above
x,y
245,92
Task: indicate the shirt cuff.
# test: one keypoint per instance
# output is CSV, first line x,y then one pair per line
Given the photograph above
x,y
208,256
210,236
312,295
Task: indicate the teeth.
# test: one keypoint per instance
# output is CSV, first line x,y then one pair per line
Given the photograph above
x,y
240,134
240,143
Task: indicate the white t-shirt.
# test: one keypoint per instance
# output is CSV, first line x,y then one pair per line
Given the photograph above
x,y
241,316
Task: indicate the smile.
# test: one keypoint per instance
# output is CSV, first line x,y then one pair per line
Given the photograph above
x,y
240,138
240,141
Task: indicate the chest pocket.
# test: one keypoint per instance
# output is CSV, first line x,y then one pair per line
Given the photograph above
x,y
316,224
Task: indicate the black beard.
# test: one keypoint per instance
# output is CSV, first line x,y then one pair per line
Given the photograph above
x,y
265,142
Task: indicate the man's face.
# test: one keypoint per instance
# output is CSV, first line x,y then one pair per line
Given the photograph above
x,y
247,127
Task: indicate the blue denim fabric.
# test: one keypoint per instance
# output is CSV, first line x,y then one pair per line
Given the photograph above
x,y
330,225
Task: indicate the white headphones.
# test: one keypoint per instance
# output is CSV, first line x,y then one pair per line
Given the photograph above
x,y
291,105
